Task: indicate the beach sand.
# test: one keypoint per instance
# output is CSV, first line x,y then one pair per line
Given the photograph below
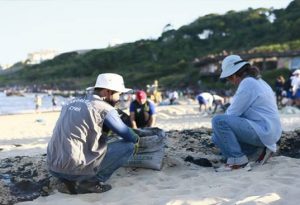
x,y
25,133
178,182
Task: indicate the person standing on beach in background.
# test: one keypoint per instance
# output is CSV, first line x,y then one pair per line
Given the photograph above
x,y
79,153
279,87
54,103
142,111
251,121
38,102
295,83
287,91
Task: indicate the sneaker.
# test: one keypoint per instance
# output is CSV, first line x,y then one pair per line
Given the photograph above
x,y
254,156
264,156
66,186
92,187
231,167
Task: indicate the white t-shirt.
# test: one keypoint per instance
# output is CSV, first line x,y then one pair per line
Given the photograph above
x,y
207,97
295,83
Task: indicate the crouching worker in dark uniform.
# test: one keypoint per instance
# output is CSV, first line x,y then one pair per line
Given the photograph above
x,y
78,153
142,111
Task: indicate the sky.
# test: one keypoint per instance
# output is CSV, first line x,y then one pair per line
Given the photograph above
x,y
28,26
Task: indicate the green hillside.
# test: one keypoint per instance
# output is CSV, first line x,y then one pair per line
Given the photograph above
x,y
169,58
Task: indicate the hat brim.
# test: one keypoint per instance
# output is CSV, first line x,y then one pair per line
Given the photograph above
x,y
232,71
125,90
296,72
90,88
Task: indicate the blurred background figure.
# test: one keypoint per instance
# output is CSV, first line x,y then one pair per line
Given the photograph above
x,y
142,111
154,92
125,99
54,103
38,102
173,96
279,88
295,84
287,91
218,101
205,99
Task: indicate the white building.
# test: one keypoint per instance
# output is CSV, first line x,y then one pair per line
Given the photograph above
x,y
40,56
5,66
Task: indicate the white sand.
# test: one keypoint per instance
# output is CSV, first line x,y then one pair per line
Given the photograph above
x,y
275,183
179,182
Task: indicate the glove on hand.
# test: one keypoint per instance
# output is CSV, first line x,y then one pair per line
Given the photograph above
x,y
136,147
136,141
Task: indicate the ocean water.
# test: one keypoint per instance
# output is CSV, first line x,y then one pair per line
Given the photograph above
x,y
26,104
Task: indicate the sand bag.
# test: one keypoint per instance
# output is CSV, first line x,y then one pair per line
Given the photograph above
x,y
151,139
151,149
151,160
148,131
151,143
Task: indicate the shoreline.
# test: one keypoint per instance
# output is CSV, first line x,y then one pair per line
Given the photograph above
x,y
29,112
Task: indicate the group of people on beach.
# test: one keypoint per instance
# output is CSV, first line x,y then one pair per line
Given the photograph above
x,y
81,154
38,101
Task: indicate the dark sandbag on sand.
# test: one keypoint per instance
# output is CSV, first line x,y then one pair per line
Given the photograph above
x,y
151,149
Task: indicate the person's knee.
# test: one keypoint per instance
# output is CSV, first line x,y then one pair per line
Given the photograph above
x,y
214,139
122,147
218,120
128,148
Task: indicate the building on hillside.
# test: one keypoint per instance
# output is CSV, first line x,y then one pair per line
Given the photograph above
x,y
5,66
209,69
284,62
295,63
264,63
211,65
83,51
40,56
276,62
292,63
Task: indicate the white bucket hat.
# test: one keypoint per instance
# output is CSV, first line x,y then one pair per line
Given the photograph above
x,y
110,81
296,72
232,64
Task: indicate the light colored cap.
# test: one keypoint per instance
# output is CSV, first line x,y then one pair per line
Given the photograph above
x,y
110,81
231,64
296,72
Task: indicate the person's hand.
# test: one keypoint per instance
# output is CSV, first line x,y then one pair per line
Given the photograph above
x,y
136,146
136,141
